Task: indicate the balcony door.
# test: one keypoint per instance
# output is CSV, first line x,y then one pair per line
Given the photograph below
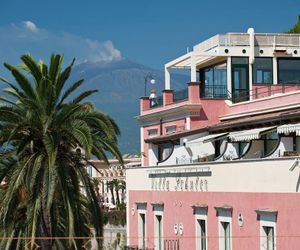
x,y
240,79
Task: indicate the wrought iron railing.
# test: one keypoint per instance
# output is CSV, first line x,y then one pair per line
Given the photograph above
x,y
214,91
171,244
257,92
240,95
180,95
156,102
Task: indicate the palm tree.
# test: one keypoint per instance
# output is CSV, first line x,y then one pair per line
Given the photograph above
x,y
116,187
111,186
122,186
48,192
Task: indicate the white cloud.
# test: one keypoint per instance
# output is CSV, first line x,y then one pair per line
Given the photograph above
x,y
30,26
27,38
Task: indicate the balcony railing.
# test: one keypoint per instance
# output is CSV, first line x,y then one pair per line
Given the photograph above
x,y
262,90
180,95
214,91
157,102
242,39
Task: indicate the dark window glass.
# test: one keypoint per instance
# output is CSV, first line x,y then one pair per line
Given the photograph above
x,y
202,234
226,235
269,241
263,70
289,70
239,60
214,81
164,151
240,79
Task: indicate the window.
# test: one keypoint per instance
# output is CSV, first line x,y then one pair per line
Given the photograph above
x,y
158,209
271,141
268,238
159,231
164,151
225,235
141,208
142,230
289,70
152,132
171,129
240,79
202,236
267,218
200,213
263,70
214,81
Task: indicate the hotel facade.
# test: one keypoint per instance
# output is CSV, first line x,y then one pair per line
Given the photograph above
x,y
220,157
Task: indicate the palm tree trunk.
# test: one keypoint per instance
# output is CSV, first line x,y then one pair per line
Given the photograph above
x,y
112,195
45,225
117,195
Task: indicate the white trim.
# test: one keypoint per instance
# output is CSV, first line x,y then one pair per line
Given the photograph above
x,y
178,60
167,78
275,71
188,122
128,213
200,214
250,79
158,210
142,209
193,68
142,145
229,77
267,219
224,215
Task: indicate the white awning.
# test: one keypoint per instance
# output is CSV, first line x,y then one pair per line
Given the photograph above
x,y
289,128
207,138
251,134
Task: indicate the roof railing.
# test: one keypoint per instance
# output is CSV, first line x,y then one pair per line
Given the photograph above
x,y
242,39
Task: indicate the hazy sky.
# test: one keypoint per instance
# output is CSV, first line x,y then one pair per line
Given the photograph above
x,y
149,32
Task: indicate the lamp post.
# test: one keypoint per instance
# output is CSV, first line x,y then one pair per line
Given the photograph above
x,y
149,76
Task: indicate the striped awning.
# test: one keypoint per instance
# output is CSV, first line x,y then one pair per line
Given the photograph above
x,y
251,134
289,128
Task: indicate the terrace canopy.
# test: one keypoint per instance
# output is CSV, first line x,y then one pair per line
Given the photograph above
x,y
251,134
289,128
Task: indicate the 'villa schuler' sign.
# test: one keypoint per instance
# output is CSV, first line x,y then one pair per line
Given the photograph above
x,y
193,180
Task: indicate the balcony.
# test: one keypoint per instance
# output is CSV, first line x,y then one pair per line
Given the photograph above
x,y
180,95
214,92
259,143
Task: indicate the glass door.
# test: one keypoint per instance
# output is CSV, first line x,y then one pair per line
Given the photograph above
x,y
240,79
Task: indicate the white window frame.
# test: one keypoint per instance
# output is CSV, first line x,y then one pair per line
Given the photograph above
x,y
200,214
224,215
142,209
266,219
158,210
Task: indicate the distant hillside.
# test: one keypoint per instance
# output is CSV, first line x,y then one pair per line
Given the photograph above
x,y
120,86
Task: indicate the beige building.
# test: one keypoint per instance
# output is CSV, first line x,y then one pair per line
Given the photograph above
x,y
114,171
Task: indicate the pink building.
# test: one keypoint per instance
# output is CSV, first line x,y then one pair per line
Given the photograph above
x,y
220,165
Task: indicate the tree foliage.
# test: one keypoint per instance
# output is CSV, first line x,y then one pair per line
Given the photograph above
x,y
45,188
296,28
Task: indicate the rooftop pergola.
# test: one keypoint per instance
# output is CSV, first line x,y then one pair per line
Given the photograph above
x,y
215,48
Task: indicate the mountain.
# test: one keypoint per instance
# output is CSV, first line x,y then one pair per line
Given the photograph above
x,y
120,85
